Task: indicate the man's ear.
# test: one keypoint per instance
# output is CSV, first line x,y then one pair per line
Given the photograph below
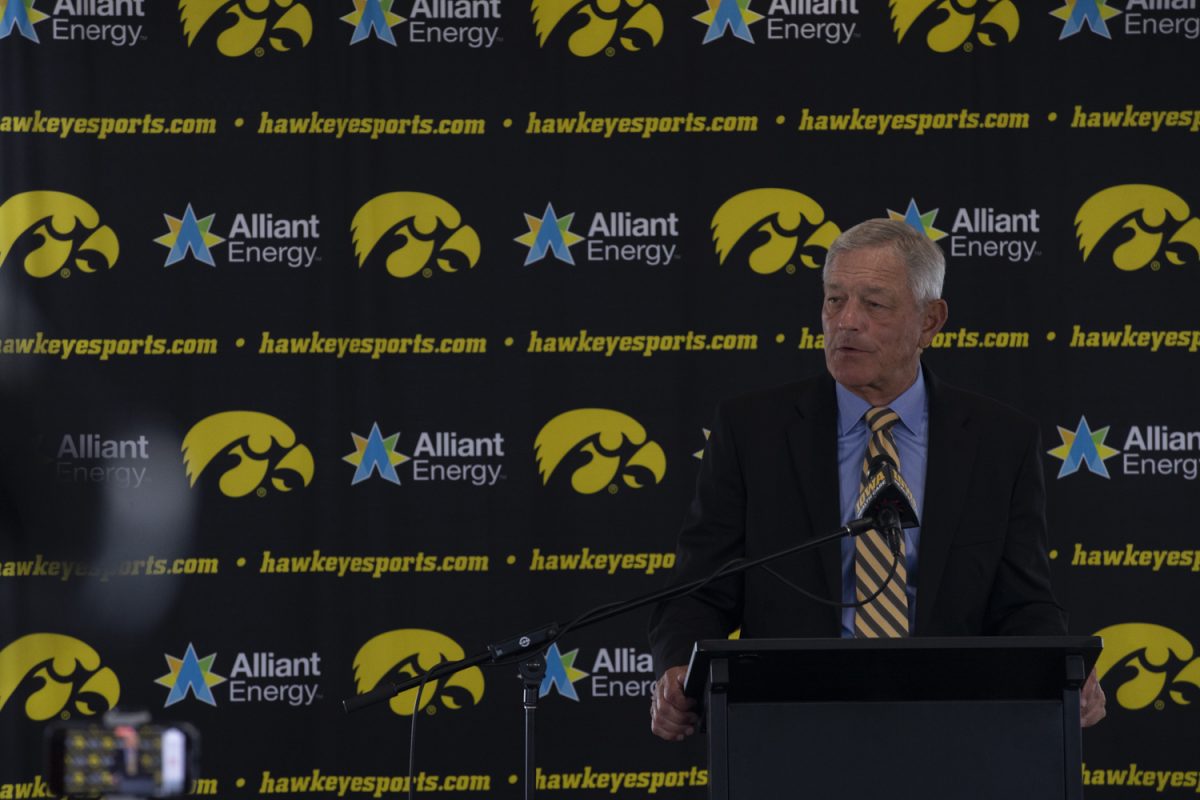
x,y
936,313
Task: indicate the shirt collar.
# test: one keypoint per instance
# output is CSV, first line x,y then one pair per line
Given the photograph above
x,y
909,406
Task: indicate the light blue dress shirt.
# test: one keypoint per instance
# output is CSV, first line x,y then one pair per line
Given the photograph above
x,y
911,435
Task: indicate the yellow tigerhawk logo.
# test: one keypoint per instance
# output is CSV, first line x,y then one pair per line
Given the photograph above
x,y
423,230
251,448
992,22
410,653
1155,659
779,218
245,23
1150,222
60,675
599,444
596,23
66,228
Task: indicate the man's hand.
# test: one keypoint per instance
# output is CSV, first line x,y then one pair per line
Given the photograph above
x,y
1091,701
671,715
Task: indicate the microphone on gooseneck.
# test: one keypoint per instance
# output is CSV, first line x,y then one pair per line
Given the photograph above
x,y
887,499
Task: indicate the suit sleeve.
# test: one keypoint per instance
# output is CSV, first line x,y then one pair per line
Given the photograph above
x,y
713,533
1021,602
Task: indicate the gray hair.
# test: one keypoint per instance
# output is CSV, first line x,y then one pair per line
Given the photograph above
x,y
924,259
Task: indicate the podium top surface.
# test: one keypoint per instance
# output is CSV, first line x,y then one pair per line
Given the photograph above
x,y
917,668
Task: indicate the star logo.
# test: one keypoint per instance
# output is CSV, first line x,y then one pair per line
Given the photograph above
x,y
187,234
561,673
1077,13
728,16
20,14
1083,447
922,223
190,674
700,453
373,16
551,233
375,454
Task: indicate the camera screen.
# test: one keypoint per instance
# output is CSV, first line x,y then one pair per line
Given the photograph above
x,y
147,761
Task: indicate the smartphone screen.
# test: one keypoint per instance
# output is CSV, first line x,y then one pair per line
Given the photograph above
x,y
142,761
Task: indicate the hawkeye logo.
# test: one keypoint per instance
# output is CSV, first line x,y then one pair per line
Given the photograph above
x,y
421,231
245,25
597,26
250,450
475,24
981,231
190,674
1137,225
56,675
409,653
787,20
770,229
616,672
1155,663
597,445
49,232
255,238
1149,450
951,24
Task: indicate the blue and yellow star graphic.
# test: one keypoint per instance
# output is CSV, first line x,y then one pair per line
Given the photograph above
x,y
373,16
732,16
20,14
1077,13
1083,447
189,233
922,223
190,674
550,233
375,454
561,673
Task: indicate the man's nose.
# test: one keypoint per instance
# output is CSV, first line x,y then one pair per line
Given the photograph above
x,y
850,317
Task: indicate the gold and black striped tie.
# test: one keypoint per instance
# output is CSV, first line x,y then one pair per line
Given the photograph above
x,y
887,614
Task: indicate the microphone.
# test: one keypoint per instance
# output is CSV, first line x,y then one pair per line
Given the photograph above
x,y
886,496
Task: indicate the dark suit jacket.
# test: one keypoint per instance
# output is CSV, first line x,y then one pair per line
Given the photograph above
x,y
769,479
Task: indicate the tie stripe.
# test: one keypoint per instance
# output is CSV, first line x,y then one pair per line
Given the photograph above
x,y
887,614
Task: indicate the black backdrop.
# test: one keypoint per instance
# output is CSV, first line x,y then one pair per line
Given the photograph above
x,y
1078,147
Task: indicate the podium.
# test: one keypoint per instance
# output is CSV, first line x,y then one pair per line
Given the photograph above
x,y
920,718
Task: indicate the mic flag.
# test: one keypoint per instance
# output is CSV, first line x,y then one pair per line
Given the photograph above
x,y
886,489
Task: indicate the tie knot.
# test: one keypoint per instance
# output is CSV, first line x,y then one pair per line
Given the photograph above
x,y
881,419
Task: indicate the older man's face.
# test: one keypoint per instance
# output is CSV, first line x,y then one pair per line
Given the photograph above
x,y
874,328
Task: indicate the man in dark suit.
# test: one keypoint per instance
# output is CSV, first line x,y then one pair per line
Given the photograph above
x,y
784,465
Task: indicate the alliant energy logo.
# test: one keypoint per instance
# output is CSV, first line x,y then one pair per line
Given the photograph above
x,y
50,232
91,458
1148,451
592,27
473,23
613,237
1170,18
417,232
409,653
190,675
596,446
256,677
981,231
255,238
56,676
1135,225
250,450
773,230
437,457
952,24
615,672
239,27
114,22
827,21
1154,664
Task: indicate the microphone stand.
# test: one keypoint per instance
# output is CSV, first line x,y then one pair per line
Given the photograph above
x,y
532,669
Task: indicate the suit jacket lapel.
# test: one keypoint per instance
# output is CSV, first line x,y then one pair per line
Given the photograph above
x,y
812,439
953,443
